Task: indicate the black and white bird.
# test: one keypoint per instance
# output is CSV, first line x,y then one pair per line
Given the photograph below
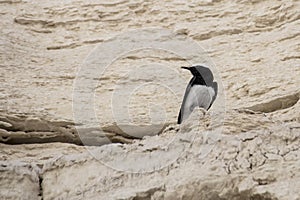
x,y
201,91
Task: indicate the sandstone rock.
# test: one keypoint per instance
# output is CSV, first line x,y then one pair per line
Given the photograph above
x,y
245,147
234,168
19,181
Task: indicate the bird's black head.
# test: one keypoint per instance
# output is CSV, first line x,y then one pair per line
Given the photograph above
x,y
201,71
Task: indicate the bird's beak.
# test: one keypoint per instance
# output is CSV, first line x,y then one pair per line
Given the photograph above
x,y
185,68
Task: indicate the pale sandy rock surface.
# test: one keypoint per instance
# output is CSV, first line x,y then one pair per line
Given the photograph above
x,y
251,151
19,181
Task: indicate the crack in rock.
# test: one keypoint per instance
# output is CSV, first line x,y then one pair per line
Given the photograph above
x,y
26,129
276,104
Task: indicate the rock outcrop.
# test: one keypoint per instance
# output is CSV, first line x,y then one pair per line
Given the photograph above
x,y
245,147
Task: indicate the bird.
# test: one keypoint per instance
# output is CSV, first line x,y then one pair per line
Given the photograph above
x,y
201,91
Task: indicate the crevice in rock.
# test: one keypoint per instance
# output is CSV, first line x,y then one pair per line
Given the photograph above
x,y
30,139
18,137
74,44
10,1
148,193
41,187
276,104
243,196
23,129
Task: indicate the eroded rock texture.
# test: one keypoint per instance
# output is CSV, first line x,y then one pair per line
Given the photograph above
x,y
245,147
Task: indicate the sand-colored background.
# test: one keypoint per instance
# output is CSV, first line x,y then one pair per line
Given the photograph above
x,y
255,49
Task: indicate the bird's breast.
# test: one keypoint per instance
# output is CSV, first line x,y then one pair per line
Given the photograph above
x,y
199,95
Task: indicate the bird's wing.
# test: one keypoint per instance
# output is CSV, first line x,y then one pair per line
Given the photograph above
x,y
215,87
206,74
187,90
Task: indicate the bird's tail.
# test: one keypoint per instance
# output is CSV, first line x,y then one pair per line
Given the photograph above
x,y
179,120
